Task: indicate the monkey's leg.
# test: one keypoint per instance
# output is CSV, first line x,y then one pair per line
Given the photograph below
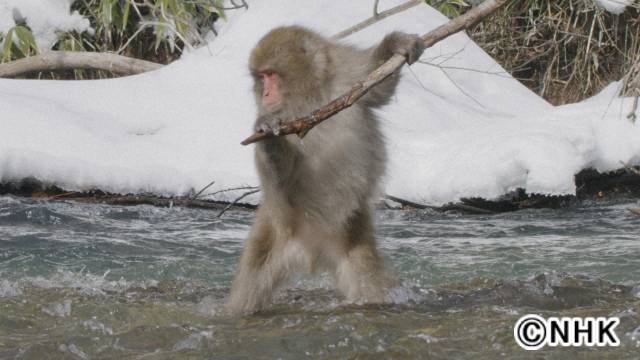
x,y
259,271
360,271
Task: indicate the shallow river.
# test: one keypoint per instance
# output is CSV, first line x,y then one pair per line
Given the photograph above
x,y
98,281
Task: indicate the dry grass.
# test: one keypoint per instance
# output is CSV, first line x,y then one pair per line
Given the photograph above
x,y
564,50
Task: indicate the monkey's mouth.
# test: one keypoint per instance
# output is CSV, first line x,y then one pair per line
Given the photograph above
x,y
276,110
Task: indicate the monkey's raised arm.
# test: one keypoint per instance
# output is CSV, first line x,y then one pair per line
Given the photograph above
x,y
409,46
302,125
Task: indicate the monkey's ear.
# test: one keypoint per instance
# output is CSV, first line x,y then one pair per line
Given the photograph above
x,y
318,54
308,45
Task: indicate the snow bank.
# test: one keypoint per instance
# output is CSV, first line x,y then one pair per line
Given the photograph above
x,y
614,6
44,17
465,128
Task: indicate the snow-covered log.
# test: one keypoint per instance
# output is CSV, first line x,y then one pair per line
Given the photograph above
x,y
74,60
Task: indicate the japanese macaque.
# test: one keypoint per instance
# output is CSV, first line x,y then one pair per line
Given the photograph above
x,y
318,193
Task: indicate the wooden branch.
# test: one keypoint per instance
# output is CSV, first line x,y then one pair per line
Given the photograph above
x,y
630,168
71,60
304,124
234,202
464,208
194,197
377,17
407,203
158,201
635,211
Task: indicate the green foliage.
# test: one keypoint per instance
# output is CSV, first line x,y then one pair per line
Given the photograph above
x,y
450,8
155,30
17,42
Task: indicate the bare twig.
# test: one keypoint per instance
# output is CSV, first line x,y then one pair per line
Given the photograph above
x,y
232,189
417,79
449,207
71,60
460,88
634,108
234,202
376,17
375,8
630,168
132,200
64,195
408,203
467,209
631,87
502,74
203,189
242,5
304,124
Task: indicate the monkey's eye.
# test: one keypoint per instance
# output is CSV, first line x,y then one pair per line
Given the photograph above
x,y
266,74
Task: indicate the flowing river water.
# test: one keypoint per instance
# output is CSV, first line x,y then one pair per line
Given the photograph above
x,y
91,281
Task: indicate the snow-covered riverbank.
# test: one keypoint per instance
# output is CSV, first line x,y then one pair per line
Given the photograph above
x,y
459,126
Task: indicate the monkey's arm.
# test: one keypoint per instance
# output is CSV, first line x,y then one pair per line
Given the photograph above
x,y
277,156
410,46
276,160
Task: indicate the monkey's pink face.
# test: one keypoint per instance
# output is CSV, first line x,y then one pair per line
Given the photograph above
x,y
270,92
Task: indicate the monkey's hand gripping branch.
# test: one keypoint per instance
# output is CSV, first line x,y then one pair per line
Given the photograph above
x,y
302,125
